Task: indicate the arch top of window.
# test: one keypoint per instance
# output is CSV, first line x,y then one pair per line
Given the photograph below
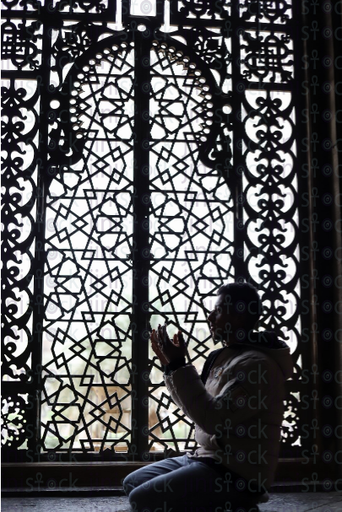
x,y
214,111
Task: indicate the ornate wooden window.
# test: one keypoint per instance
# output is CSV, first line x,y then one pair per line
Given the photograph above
x,y
150,156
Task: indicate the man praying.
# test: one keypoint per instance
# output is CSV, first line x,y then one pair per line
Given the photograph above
x,y
237,407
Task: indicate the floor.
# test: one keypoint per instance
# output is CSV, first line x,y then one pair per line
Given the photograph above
x,y
279,502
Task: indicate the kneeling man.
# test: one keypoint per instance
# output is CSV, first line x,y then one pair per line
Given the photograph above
x,y
237,407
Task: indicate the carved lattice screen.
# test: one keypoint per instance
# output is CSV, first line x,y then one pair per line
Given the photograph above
x,y
150,156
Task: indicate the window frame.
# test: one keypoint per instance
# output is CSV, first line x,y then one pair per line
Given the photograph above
x,y
304,187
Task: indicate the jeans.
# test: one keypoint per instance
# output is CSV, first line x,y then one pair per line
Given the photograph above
x,y
181,484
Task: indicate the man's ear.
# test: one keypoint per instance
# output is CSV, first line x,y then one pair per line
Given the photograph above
x,y
243,321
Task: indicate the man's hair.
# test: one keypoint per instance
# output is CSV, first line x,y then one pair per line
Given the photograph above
x,y
244,299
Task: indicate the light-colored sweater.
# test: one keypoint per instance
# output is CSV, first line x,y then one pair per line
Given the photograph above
x,y
239,411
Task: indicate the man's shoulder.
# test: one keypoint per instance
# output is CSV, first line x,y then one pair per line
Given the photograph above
x,y
248,356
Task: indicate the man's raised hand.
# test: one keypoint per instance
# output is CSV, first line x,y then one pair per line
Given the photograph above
x,y
165,349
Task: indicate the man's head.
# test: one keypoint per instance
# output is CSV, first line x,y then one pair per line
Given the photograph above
x,y
236,312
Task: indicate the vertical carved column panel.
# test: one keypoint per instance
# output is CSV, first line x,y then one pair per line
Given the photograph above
x,y
270,194
21,61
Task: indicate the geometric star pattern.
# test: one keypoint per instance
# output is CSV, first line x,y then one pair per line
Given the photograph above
x,y
87,349
191,235
88,297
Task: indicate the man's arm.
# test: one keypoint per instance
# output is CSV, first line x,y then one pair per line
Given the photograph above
x,y
237,401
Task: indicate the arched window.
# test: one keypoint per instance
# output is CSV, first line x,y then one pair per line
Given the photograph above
x,y
152,156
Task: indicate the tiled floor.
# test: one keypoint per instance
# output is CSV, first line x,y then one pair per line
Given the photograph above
x,y
279,502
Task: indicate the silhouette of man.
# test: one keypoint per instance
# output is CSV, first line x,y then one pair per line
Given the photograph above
x,y
237,407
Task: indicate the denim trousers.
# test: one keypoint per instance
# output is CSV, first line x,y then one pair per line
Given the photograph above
x,y
182,484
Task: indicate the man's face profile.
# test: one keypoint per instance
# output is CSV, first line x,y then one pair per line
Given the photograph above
x,y
223,320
